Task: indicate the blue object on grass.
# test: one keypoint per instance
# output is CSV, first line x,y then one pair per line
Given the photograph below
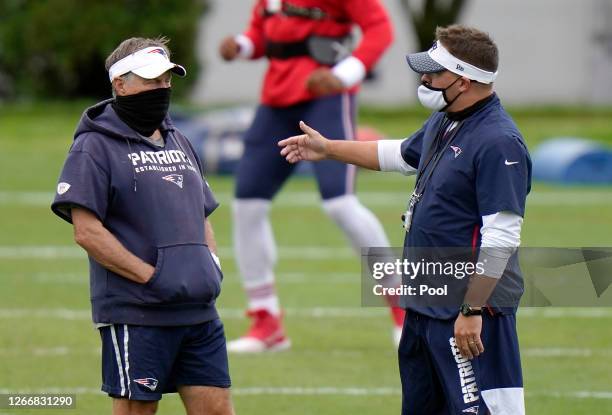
x,y
572,160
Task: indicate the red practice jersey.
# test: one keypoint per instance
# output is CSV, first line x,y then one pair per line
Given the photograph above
x,y
285,79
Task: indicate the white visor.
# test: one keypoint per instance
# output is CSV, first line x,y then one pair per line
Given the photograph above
x,y
439,58
147,63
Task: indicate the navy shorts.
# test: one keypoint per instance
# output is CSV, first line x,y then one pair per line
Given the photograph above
x,y
262,170
436,380
142,362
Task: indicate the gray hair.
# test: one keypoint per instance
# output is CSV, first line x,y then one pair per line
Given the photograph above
x,y
126,76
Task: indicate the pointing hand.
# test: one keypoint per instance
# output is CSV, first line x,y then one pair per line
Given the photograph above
x,y
309,146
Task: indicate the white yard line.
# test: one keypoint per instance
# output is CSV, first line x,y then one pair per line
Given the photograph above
x,y
96,351
41,252
226,313
45,313
537,352
55,277
381,199
283,278
263,390
18,198
575,395
553,352
575,312
309,312
39,351
330,390
308,391
74,252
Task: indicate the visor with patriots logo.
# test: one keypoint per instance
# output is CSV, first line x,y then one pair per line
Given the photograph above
x,y
148,63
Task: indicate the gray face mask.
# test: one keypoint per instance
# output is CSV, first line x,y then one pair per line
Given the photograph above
x,y
435,98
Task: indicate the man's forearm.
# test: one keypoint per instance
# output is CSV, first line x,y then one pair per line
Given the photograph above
x,y
112,255
210,237
501,233
360,153
106,249
479,290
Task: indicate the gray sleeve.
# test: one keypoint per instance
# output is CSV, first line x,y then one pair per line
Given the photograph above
x,y
501,236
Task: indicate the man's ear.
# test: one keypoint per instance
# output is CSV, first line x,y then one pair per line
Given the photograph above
x,y
465,84
119,85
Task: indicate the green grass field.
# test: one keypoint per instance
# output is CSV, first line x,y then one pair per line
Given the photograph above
x,y
342,360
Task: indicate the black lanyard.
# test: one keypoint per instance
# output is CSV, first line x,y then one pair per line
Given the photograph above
x,y
433,158
435,154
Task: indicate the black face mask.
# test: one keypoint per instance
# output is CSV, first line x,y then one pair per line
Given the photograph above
x,y
143,112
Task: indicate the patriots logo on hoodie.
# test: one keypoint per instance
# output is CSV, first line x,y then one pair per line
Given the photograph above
x,y
457,150
177,179
150,383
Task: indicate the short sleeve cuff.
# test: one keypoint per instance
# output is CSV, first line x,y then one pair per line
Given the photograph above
x,y
390,157
210,202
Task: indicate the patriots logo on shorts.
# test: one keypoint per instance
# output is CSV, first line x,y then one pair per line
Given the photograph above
x,y
471,410
150,383
177,179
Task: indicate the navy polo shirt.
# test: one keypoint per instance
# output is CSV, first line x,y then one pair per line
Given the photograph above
x,y
484,169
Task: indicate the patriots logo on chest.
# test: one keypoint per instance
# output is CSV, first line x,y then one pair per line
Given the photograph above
x,y
456,150
177,179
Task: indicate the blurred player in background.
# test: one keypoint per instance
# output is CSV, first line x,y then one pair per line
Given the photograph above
x,y
313,75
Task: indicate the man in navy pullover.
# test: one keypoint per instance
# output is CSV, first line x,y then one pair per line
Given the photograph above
x,y
473,175
132,187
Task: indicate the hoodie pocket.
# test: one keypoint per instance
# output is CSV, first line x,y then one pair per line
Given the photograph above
x,y
183,274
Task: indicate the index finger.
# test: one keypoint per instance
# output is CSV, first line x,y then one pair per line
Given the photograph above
x,y
290,140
